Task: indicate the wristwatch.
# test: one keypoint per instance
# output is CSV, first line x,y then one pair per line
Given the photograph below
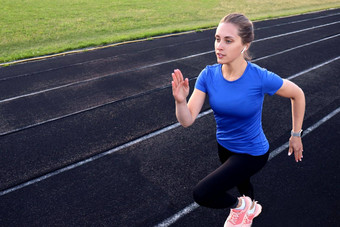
x,y
297,134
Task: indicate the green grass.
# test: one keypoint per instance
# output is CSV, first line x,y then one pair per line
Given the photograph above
x,y
31,28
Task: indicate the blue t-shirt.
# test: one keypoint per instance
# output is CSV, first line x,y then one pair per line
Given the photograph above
x,y
237,106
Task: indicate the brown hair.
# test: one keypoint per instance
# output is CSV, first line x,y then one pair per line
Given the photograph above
x,y
245,29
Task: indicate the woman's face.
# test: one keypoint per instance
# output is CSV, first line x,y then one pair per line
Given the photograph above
x,y
228,44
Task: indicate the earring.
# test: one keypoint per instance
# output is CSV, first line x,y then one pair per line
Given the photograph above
x,y
243,50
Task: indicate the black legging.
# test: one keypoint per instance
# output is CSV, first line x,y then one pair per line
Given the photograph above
x,y
236,170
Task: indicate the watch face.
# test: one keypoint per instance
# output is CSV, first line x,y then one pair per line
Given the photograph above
x,y
301,132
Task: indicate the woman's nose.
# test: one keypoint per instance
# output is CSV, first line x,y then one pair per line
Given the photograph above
x,y
219,45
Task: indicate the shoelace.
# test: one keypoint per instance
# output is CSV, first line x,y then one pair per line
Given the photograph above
x,y
234,217
246,220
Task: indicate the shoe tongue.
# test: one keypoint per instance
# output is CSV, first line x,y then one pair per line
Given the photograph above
x,y
237,210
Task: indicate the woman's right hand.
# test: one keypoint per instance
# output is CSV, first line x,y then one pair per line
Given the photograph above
x,y
180,86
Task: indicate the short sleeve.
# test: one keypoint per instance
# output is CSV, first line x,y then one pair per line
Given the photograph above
x,y
201,83
271,82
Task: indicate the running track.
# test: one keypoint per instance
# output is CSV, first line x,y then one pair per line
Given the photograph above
x,y
91,138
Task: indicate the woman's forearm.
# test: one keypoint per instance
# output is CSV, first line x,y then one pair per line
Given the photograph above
x,y
183,114
298,110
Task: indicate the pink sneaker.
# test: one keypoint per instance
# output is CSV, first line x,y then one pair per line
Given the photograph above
x,y
236,216
248,218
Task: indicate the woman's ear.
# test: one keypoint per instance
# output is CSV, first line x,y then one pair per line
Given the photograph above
x,y
246,47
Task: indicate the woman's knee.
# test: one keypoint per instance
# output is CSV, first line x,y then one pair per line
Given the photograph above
x,y
201,195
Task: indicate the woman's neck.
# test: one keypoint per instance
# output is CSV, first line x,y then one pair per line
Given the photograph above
x,y
234,70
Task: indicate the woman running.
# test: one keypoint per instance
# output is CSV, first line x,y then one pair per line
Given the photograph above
x,y
236,89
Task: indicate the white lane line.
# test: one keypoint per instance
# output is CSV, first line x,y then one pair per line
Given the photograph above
x,y
315,67
79,112
156,64
128,144
171,220
297,47
101,77
298,31
95,157
100,59
307,131
297,21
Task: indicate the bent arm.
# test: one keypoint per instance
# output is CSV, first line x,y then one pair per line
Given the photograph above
x,y
297,97
187,113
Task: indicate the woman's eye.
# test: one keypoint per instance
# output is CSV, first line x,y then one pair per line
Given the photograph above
x,y
228,41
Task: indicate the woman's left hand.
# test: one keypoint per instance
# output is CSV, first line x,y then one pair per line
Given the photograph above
x,y
296,147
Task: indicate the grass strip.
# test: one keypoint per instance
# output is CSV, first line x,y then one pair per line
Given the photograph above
x,y
31,28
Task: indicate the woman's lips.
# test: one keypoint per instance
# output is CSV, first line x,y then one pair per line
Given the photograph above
x,y
219,55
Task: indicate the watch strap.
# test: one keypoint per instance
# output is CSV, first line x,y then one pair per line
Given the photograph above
x,y
296,134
